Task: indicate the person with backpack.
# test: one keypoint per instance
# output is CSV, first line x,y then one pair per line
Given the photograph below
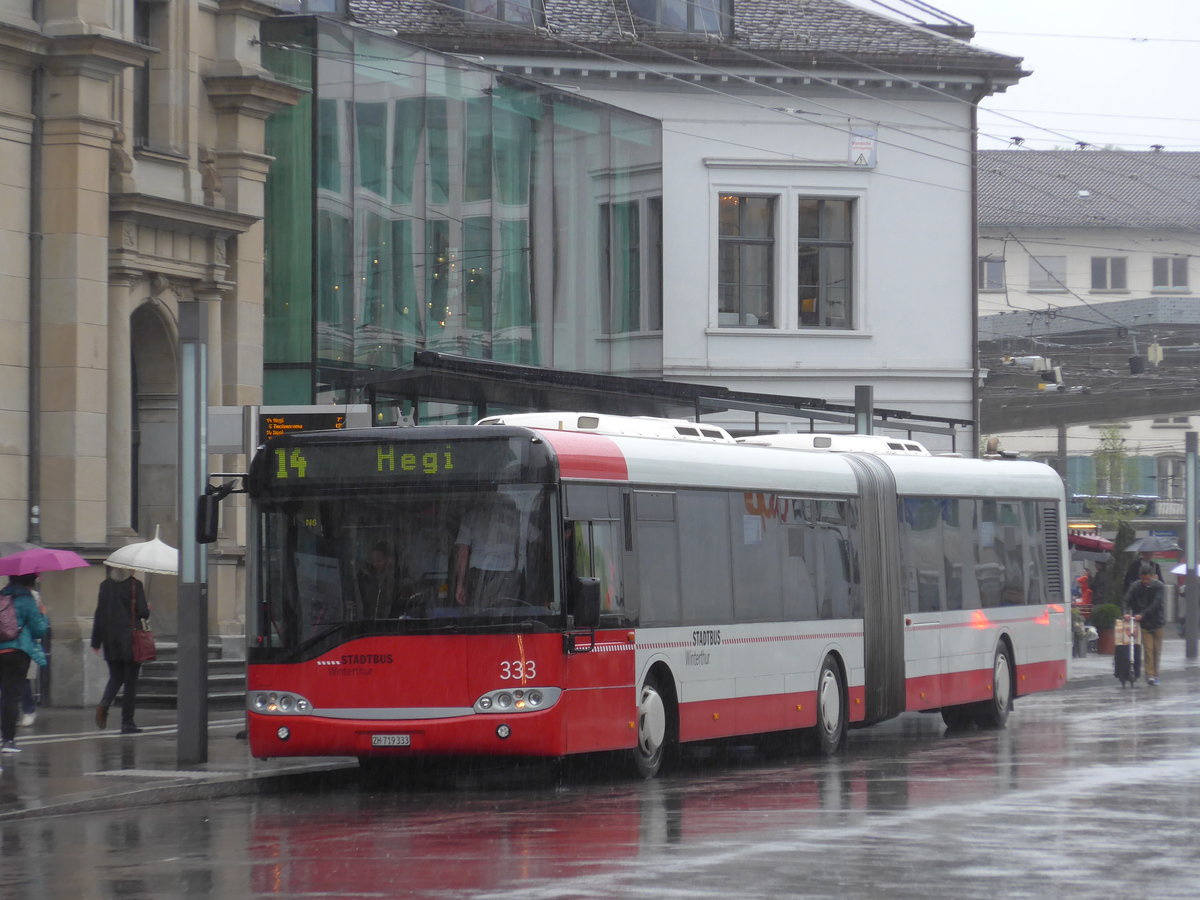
x,y
22,624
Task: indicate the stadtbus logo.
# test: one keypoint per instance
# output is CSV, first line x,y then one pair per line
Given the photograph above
x,y
366,659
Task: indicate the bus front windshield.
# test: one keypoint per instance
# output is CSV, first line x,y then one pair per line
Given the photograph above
x,y
466,557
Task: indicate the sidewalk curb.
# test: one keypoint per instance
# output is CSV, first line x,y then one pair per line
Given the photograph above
x,y
212,789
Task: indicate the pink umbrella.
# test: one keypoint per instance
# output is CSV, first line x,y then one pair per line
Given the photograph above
x,y
41,559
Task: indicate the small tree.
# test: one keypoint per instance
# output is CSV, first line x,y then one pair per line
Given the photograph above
x,y
1113,512
1114,589
1111,464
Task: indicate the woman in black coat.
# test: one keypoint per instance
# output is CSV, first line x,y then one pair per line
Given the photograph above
x,y
122,602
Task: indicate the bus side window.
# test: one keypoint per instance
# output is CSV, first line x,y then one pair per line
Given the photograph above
x,y
594,551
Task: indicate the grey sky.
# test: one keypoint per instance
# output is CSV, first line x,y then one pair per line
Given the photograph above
x,y
1109,72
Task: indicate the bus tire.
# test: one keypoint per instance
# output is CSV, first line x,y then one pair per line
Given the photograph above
x,y
993,713
655,728
829,735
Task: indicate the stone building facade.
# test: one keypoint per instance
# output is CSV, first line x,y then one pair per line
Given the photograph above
x,y
131,142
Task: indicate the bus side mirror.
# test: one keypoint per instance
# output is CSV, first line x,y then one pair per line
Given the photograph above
x,y
208,510
586,607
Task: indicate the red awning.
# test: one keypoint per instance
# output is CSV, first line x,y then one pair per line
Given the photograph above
x,y
1086,542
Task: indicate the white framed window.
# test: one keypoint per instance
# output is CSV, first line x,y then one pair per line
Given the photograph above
x,y
1108,273
699,16
1169,477
788,258
746,260
1047,273
991,274
516,12
1169,273
825,262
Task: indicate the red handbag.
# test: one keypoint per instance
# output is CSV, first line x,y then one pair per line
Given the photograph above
x,y
143,638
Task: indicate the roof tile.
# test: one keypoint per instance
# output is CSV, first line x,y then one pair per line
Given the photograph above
x,y
818,31
1089,188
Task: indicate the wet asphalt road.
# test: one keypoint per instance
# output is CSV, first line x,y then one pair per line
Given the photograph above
x,y
1089,792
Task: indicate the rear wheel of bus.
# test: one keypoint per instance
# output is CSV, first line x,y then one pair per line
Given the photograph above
x,y
993,713
829,735
657,725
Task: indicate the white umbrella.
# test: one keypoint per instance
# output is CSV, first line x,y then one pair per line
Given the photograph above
x,y
152,556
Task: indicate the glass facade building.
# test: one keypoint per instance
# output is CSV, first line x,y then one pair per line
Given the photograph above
x,y
418,201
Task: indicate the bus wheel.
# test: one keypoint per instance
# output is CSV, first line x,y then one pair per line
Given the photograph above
x,y
993,713
831,709
652,715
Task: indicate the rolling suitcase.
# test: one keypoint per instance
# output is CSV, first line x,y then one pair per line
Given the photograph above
x,y
1127,652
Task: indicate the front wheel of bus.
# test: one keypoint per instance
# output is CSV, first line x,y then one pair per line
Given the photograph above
x,y
653,713
993,713
831,709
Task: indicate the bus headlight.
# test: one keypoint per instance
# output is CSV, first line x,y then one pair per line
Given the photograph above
x,y
519,700
278,703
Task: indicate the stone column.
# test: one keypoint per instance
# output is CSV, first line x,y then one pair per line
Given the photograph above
x,y
119,422
78,127
16,358
77,141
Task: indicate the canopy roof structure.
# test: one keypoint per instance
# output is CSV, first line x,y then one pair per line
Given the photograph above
x,y
488,385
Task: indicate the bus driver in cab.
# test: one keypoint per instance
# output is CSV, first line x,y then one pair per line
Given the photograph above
x,y
485,553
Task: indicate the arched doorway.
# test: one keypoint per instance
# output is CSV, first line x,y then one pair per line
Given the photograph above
x,y
154,439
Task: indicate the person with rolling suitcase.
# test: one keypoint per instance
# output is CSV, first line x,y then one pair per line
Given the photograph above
x,y
1145,600
1127,651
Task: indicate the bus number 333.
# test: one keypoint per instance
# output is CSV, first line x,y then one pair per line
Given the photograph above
x,y
518,669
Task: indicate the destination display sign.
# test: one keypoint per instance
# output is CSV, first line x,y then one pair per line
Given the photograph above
x,y
302,463
275,424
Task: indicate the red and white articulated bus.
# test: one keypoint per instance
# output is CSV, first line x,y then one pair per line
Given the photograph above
x,y
545,591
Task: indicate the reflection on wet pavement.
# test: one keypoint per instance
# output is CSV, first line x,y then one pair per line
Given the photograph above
x,y
1089,792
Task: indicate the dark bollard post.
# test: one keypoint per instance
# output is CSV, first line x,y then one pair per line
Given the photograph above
x,y
192,710
1191,628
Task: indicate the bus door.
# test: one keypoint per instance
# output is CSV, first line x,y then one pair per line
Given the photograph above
x,y
923,576
883,618
599,681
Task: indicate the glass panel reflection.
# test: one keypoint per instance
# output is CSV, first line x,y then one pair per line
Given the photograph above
x,y
457,210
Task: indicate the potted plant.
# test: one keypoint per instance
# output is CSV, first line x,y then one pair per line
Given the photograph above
x,y
1104,620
